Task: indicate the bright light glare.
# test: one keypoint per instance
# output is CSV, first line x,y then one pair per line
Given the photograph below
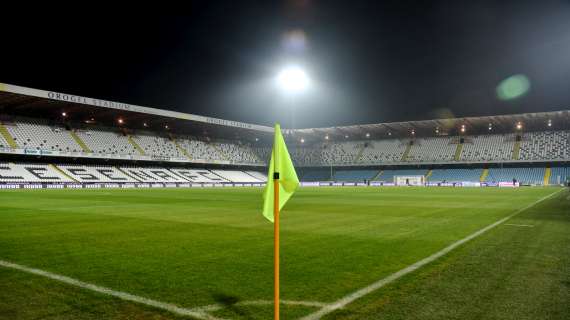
x,y
293,79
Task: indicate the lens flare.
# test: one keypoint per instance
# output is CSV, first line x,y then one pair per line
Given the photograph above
x,y
513,87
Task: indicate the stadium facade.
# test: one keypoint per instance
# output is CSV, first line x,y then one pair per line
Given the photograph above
x,y
56,140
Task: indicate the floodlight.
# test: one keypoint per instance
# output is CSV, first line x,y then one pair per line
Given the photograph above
x,y
292,79
64,114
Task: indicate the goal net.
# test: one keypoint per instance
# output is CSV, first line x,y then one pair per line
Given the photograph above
x,y
409,180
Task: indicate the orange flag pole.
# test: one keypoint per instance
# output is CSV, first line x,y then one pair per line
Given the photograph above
x,y
276,243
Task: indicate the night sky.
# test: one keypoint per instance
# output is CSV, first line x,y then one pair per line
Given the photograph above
x,y
369,61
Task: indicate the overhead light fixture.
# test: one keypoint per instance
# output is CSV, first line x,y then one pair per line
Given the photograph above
x,y
293,79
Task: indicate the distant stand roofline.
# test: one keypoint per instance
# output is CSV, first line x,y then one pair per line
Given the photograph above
x,y
64,97
422,127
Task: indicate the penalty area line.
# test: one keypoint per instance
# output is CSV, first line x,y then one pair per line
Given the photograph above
x,y
342,302
110,292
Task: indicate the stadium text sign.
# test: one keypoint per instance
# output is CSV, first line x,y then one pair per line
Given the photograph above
x,y
126,107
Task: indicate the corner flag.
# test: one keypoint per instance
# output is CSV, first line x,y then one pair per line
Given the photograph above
x,y
281,167
281,183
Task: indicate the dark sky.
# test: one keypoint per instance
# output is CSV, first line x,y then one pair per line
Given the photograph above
x,y
369,61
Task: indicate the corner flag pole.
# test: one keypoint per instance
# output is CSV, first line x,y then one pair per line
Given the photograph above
x,y
276,229
276,243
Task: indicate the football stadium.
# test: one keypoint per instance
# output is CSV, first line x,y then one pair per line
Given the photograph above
x,y
113,210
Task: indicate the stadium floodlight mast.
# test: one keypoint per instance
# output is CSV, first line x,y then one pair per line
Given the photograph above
x,y
292,80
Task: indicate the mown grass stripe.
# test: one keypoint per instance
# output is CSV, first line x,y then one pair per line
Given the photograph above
x,y
118,294
341,303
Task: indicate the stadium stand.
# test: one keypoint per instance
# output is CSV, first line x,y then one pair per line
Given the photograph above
x,y
388,175
31,173
522,175
545,145
315,175
381,151
41,135
455,175
156,145
79,132
355,175
38,134
106,141
236,176
432,149
153,175
488,147
95,174
559,175
198,175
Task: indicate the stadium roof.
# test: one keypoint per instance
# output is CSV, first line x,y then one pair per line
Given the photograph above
x,y
556,120
30,102
24,101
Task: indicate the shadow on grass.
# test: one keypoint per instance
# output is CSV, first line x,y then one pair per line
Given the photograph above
x,y
229,302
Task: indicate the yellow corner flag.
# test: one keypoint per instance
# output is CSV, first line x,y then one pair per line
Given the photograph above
x,y
282,181
282,165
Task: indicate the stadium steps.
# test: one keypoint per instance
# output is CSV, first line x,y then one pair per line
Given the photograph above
x,y
222,153
56,168
7,136
547,174
377,175
407,152
484,175
179,147
458,151
517,150
80,142
135,145
128,175
358,157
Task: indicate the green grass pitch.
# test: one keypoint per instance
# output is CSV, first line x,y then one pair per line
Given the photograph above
x,y
203,247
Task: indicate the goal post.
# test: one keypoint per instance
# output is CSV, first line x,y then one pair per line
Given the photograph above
x,y
409,180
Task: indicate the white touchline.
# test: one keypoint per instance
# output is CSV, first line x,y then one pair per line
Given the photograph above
x,y
519,225
119,294
216,307
394,276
